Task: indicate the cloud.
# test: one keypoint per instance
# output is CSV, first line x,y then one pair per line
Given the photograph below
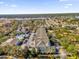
x,y
62,0
1,2
67,0
6,5
13,5
67,5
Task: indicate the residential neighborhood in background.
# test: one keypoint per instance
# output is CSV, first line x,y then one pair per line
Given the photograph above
x,y
39,36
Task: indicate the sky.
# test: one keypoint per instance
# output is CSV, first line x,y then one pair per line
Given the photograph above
x,y
38,6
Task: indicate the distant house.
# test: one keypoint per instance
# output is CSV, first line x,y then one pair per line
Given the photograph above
x,y
7,23
18,30
1,24
23,29
31,41
10,41
70,26
77,17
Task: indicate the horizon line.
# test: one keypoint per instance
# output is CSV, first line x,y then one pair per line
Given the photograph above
x,y
41,13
